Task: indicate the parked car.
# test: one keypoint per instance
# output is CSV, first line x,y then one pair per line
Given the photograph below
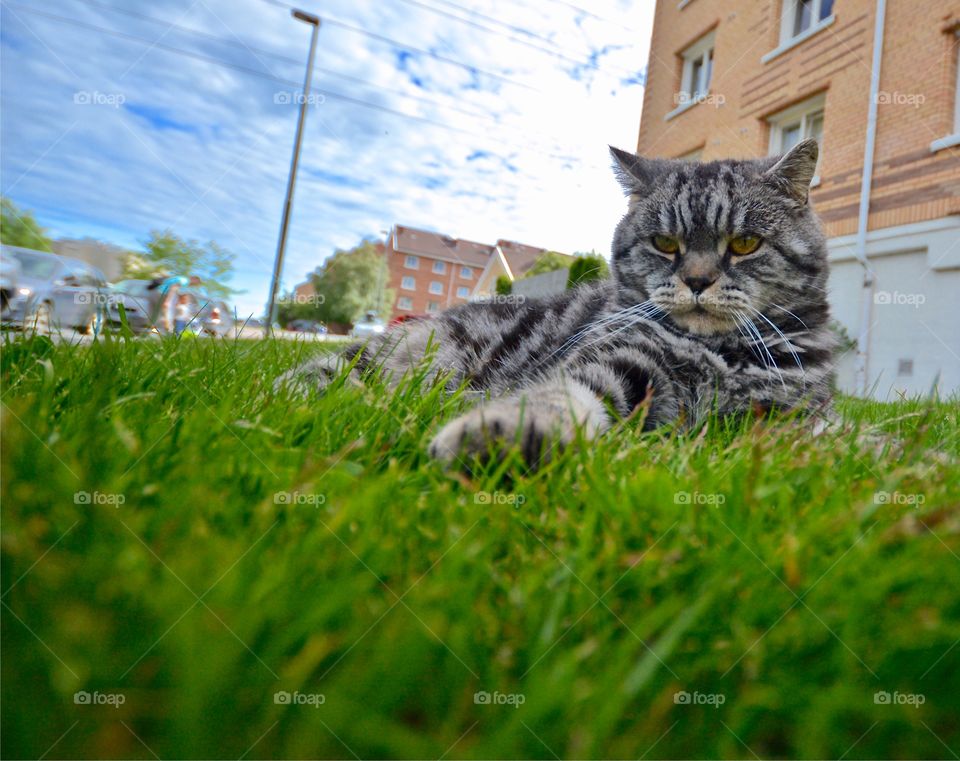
x,y
54,292
216,318
9,279
141,305
402,318
307,326
369,325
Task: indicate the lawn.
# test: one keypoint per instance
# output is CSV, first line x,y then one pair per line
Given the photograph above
x,y
195,567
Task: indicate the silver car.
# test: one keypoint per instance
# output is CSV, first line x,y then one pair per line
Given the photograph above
x,y
370,325
54,292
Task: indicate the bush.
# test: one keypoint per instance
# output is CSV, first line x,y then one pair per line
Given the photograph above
x,y
586,269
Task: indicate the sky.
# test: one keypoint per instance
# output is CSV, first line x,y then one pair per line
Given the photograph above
x,y
481,119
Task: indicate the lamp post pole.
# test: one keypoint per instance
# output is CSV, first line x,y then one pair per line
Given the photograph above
x,y
314,21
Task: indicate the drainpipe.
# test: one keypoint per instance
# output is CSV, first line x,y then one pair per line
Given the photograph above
x,y
866,181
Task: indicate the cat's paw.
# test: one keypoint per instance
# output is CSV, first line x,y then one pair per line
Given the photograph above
x,y
488,433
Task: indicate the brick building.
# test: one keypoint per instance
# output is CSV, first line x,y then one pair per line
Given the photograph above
x,y
430,272
881,92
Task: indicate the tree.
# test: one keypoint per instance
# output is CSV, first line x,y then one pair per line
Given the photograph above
x,y
587,267
289,308
548,261
19,228
167,253
504,286
350,283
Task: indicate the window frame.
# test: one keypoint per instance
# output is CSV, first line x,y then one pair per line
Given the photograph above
x,y
433,306
700,52
689,94
411,279
468,270
439,288
786,38
953,138
799,113
405,303
439,267
465,294
411,262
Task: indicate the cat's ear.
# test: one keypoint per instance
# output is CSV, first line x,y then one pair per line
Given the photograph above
x,y
794,172
634,173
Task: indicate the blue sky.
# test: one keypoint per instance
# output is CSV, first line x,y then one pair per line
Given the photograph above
x,y
111,135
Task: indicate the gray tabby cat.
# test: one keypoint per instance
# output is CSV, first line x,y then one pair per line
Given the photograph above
x,y
717,302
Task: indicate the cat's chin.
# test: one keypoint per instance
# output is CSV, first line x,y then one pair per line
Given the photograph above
x,y
704,323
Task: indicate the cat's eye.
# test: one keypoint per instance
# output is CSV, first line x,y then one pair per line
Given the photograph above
x,y
666,244
745,244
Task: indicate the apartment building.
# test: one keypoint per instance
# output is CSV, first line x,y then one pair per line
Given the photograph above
x,y
430,272
878,85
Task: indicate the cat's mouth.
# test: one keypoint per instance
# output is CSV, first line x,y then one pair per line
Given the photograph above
x,y
703,316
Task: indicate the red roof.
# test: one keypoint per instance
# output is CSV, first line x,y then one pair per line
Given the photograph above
x,y
410,240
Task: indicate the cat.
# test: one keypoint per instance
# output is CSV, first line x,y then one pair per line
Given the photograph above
x,y
716,303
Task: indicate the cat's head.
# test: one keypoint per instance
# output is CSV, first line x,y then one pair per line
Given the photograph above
x,y
706,242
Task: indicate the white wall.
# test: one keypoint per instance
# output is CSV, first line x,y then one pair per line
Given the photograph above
x,y
915,308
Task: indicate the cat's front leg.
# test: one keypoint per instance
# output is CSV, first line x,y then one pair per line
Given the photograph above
x,y
539,421
316,374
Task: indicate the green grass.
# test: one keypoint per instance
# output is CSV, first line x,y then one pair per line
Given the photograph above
x,y
398,591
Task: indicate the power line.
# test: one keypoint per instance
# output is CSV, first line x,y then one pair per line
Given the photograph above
x,y
555,50
263,75
593,15
410,48
239,44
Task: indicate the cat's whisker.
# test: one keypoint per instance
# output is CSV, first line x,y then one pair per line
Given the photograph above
x,y
741,328
641,309
772,363
783,309
786,341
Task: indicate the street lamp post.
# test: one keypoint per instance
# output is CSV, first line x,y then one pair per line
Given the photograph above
x,y
314,21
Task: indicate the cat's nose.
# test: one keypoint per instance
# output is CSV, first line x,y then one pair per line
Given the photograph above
x,y
699,283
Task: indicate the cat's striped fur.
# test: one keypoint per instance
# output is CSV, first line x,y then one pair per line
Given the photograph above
x,y
682,334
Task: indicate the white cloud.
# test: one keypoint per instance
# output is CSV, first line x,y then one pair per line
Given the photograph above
x,y
205,150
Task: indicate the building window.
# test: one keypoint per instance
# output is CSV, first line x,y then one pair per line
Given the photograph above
x,y
405,302
697,72
954,138
466,273
412,262
433,306
463,292
408,284
799,122
801,18
439,267
436,286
